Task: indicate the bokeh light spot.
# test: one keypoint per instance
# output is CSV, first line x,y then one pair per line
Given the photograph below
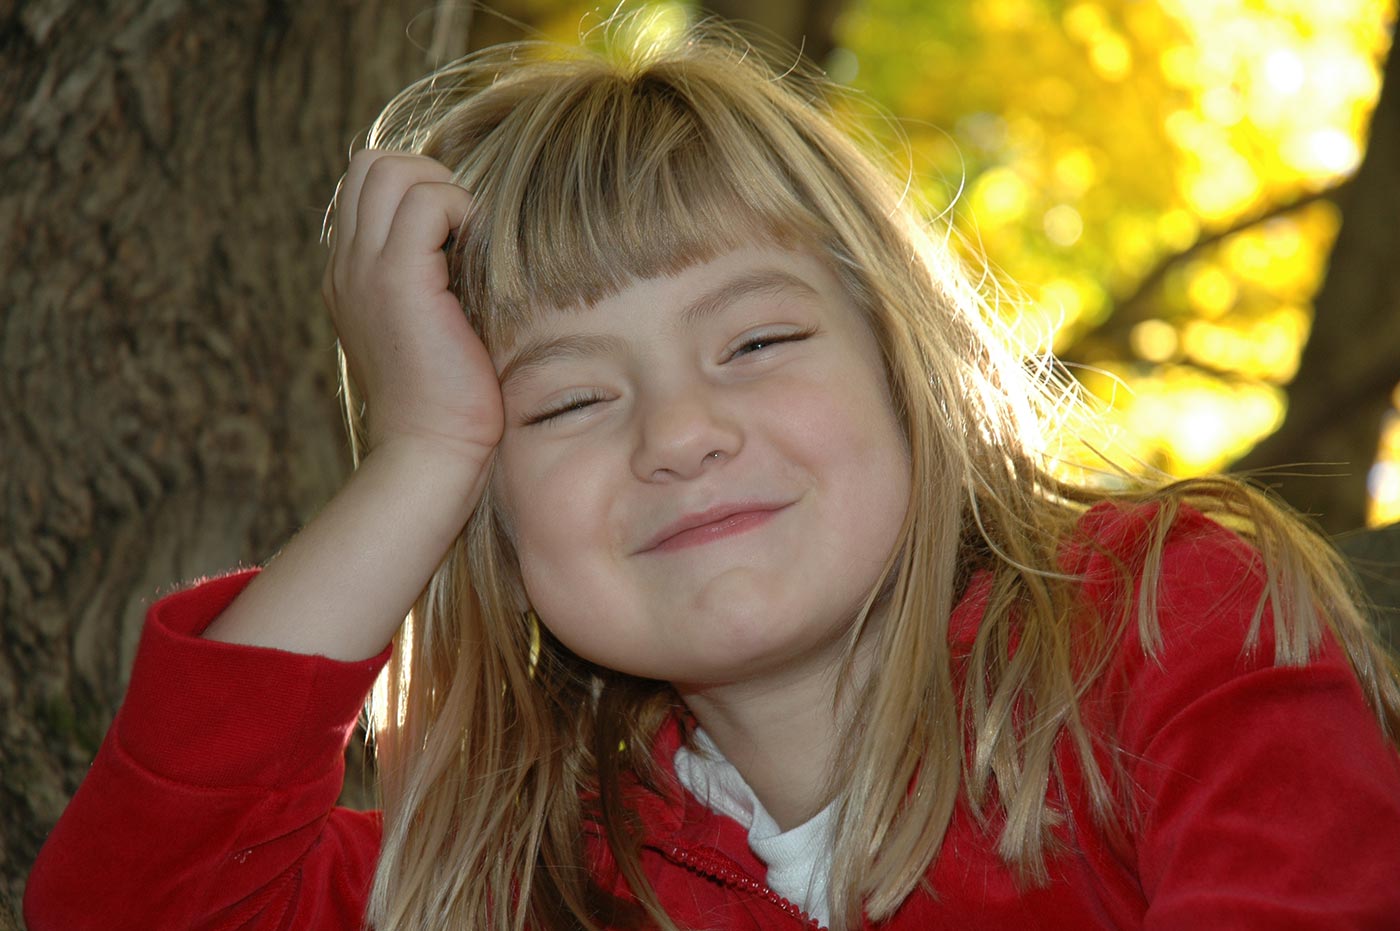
x,y
1000,196
1211,291
1063,225
1111,57
1284,71
1154,340
1324,151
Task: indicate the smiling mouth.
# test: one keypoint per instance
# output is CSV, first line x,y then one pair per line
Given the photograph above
x,y
718,528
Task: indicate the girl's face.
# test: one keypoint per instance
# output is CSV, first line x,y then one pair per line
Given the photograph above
x,y
703,475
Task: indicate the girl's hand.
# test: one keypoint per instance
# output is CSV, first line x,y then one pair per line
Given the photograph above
x,y
425,375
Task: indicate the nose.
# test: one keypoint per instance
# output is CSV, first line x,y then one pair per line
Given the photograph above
x,y
684,431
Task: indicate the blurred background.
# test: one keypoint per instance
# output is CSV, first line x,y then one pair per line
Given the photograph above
x,y
1195,203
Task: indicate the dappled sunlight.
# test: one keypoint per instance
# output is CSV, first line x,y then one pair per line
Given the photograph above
x,y
1094,141
1181,421
1266,348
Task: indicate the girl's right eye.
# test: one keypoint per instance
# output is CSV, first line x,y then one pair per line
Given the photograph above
x,y
567,406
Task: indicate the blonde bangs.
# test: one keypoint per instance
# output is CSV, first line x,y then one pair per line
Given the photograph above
x,y
588,173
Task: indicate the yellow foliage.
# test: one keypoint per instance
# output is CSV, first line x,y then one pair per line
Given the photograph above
x,y
1181,421
1265,349
1211,291
1096,138
1155,340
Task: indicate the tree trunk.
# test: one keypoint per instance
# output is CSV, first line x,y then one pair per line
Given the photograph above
x,y
1351,365
167,388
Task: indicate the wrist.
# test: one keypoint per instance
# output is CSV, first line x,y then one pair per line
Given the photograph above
x,y
455,474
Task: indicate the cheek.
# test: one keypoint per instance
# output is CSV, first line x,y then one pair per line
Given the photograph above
x,y
557,513
864,449
848,422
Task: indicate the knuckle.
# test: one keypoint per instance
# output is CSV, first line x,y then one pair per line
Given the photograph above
x,y
419,196
377,170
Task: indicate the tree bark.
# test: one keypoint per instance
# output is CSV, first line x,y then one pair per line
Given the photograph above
x,y
1350,367
167,387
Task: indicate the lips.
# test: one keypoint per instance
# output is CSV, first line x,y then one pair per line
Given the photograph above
x,y
712,524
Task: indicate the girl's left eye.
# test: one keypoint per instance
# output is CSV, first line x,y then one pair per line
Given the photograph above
x,y
764,340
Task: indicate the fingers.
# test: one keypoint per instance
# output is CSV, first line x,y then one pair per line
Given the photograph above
x,y
374,187
427,214
347,194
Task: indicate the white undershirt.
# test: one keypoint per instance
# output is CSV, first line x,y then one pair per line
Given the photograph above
x,y
798,861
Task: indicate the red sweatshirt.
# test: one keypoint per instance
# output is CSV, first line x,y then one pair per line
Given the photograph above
x,y
1270,799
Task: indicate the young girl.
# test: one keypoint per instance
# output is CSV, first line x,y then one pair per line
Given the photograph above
x,y
744,594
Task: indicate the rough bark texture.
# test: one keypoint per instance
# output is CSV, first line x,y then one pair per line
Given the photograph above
x,y
167,392
1351,364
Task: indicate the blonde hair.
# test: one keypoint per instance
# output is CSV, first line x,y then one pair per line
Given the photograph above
x,y
499,748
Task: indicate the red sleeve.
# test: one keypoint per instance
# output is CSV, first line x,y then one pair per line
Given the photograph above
x,y
211,803
1270,798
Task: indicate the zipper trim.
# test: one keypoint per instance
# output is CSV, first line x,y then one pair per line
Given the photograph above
x,y
726,871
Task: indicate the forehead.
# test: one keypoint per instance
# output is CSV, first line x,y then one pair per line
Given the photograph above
x,y
686,299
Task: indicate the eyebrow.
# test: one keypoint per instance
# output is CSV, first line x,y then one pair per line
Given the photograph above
x,y
538,353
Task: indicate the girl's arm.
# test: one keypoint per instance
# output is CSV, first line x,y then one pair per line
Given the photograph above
x,y
210,804
344,584
1269,796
